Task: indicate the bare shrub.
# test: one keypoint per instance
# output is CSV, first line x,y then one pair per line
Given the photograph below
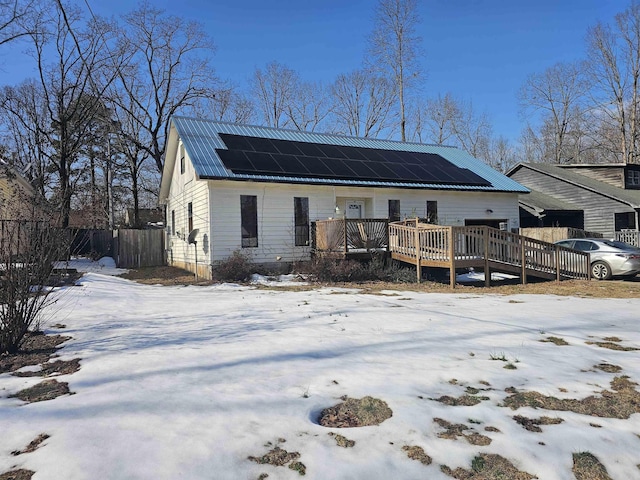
x,y
236,268
29,246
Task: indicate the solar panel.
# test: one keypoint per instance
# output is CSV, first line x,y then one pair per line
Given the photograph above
x,y
255,155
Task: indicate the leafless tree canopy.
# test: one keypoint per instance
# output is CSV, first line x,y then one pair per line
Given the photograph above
x,y
395,49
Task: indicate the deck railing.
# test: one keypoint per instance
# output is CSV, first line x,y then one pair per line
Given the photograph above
x,y
351,235
448,246
632,238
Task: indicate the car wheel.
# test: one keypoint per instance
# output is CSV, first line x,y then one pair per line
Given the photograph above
x,y
600,271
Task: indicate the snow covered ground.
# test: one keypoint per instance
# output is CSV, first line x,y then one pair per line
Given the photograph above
x,y
187,382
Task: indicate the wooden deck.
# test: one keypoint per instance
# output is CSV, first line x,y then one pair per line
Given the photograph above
x,y
426,245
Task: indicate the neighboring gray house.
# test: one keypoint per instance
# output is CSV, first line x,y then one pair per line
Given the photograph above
x,y
597,198
234,187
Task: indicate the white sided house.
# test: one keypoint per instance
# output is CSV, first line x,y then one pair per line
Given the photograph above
x,y
229,187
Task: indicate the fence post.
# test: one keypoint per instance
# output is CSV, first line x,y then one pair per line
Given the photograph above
x,y
523,259
557,264
346,247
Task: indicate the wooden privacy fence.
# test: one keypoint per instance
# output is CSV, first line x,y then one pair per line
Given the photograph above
x,y
426,245
553,234
139,248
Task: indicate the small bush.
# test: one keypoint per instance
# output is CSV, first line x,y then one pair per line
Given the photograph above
x,y
236,268
378,268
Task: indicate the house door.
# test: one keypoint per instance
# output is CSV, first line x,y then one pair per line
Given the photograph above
x,y
355,209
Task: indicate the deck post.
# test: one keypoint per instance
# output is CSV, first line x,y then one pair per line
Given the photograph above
x,y
452,259
523,259
416,242
487,271
557,252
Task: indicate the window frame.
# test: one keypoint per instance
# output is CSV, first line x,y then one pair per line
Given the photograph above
x,y
182,160
189,217
633,178
173,222
619,221
301,223
249,221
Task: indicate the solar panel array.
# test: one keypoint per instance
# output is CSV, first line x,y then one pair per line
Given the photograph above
x,y
265,156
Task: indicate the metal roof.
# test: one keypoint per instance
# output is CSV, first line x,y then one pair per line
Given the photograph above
x,y
200,139
630,197
537,202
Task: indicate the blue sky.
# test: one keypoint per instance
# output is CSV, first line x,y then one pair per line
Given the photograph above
x,y
479,50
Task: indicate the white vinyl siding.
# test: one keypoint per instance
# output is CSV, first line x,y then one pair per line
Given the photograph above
x,y
276,228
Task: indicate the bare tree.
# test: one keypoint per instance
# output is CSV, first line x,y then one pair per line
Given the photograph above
x,y
273,90
72,86
614,68
557,95
395,49
228,105
167,67
435,120
473,131
362,104
16,20
309,106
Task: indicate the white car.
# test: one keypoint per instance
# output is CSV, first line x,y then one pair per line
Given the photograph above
x,y
608,257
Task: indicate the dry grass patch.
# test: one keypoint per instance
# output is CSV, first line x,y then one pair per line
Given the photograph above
x,y
20,474
454,430
533,424
462,401
278,457
488,467
623,402
417,453
162,276
33,445
607,367
47,390
355,412
587,467
556,341
341,441
37,348
59,367
613,346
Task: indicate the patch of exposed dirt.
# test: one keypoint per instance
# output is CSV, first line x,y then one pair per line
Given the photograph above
x,y
342,441
59,367
454,430
587,467
355,412
47,390
33,445
606,367
417,453
36,348
488,467
462,401
623,402
556,341
533,424
163,276
279,457
21,474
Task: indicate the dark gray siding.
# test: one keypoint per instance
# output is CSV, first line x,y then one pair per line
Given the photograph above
x,y
598,209
611,175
